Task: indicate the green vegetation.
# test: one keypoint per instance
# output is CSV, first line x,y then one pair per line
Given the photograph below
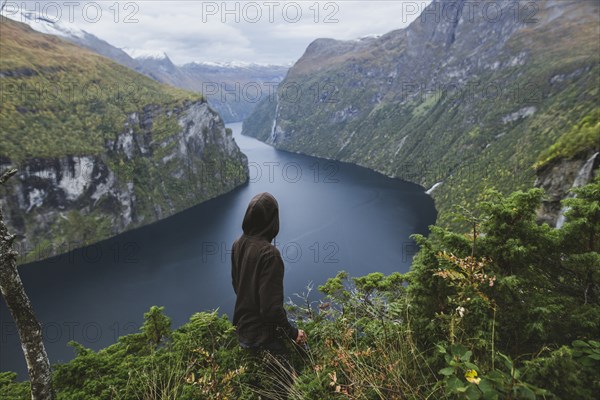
x,y
411,117
59,99
582,137
509,311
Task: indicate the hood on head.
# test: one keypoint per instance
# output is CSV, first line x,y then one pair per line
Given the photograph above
x,y
262,217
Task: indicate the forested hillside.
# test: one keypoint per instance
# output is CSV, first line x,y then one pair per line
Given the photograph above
x,y
460,97
100,149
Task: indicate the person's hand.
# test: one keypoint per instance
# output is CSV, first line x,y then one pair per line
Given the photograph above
x,y
302,338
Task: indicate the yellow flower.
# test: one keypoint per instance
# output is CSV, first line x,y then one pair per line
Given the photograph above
x,y
471,376
191,378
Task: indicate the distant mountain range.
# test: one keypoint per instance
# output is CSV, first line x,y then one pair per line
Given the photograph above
x,y
233,89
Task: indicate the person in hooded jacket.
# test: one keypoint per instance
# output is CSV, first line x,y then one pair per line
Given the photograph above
x,y
257,276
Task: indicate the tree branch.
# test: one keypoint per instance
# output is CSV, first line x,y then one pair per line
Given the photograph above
x,y
29,328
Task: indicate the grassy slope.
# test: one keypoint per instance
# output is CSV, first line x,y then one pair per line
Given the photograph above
x,y
581,137
60,99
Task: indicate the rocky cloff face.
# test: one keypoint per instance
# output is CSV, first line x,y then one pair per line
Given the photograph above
x,y
468,94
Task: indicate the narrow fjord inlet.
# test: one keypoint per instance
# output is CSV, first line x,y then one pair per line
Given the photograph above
x,y
291,200
336,216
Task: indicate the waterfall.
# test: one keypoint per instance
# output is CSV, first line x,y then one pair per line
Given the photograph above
x,y
583,177
274,123
433,187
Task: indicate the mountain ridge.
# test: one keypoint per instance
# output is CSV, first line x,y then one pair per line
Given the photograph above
x,y
224,95
100,148
466,101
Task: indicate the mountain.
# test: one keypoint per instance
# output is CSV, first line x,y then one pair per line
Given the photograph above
x,y
461,100
100,148
42,24
232,89
158,66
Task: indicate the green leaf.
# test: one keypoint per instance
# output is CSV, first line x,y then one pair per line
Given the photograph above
x,y
497,376
458,349
473,393
516,373
466,356
447,371
586,362
453,384
470,365
490,396
580,343
506,361
526,393
487,388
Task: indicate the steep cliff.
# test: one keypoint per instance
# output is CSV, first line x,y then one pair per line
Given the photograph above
x,y
468,95
571,162
558,178
100,149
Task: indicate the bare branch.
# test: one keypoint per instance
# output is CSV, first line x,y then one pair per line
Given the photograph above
x,y
7,174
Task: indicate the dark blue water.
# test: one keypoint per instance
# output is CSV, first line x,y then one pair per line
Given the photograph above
x,y
334,216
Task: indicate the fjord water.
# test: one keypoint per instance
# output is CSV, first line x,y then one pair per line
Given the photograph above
x,y
334,216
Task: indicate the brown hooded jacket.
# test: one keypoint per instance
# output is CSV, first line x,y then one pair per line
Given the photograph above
x,y
257,277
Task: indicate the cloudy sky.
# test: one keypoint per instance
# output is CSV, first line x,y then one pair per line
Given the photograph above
x,y
267,32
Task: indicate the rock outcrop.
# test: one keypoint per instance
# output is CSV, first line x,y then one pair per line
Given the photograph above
x,y
558,178
62,203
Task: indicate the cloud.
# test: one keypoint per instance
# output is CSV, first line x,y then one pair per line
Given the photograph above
x,y
275,32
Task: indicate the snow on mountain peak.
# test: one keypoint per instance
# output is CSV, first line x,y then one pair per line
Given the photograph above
x,y
232,64
367,37
145,54
42,23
